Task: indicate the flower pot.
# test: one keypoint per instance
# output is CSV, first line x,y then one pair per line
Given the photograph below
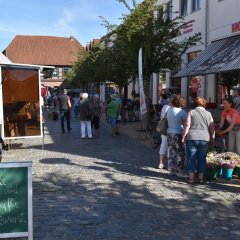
x,y
227,173
237,170
211,173
219,171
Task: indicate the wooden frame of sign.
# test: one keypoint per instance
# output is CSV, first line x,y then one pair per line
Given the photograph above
x,y
16,215
20,95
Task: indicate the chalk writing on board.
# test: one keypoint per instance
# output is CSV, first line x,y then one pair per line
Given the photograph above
x,y
13,200
13,220
2,181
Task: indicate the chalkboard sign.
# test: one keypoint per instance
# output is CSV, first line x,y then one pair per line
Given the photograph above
x,y
16,200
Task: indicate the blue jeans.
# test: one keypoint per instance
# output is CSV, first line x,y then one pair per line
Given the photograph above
x,y
197,152
65,114
76,111
112,121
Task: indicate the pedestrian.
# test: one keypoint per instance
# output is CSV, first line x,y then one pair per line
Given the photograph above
x,y
199,130
163,146
177,164
85,117
119,102
112,111
96,110
76,102
232,117
164,100
236,100
64,109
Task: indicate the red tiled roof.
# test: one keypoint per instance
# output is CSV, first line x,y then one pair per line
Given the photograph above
x,y
43,50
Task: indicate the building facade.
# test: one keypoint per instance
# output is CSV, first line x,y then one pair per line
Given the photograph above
x,y
218,22
58,52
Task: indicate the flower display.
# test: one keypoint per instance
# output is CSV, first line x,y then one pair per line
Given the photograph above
x,y
228,159
212,161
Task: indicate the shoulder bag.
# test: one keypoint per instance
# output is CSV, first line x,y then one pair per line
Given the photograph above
x,y
162,126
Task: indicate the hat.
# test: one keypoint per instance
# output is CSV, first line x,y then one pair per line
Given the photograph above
x,y
114,96
85,95
170,99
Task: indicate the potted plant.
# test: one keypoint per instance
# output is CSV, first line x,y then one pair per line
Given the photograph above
x,y
212,166
228,161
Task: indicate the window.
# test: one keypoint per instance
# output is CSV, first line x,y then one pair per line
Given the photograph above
x,y
183,7
169,8
47,73
55,72
193,55
65,70
195,5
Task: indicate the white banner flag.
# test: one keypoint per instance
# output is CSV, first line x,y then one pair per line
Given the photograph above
x,y
143,107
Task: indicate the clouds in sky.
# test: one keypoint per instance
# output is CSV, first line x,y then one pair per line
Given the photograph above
x,y
78,18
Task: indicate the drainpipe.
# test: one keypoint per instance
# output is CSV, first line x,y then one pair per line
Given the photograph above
x,y
206,42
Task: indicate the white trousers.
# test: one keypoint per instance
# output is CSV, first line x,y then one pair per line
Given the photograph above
x,y
163,147
84,125
234,142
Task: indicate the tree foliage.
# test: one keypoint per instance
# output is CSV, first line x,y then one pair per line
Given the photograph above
x,y
146,26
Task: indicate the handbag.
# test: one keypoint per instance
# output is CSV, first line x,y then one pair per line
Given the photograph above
x,y
162,126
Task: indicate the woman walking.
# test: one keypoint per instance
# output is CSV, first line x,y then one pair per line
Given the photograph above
x,y
198,131
163,146
85,116
112,111
96,110
177,157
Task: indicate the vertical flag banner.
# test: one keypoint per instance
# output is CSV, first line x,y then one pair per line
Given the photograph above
x,y
143,107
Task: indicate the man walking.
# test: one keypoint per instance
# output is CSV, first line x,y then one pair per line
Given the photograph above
x,y
64,108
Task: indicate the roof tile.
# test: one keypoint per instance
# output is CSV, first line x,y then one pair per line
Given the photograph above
x,y
43,50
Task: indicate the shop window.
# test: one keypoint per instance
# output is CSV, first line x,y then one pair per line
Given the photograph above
x,y
195,89
55,73
193,55
169,8
183,7
195,5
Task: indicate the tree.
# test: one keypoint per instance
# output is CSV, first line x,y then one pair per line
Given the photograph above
x,y
148,27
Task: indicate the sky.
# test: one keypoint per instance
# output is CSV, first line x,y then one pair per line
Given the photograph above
x,y
62,18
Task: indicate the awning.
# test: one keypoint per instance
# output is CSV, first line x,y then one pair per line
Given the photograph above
x,y
220,56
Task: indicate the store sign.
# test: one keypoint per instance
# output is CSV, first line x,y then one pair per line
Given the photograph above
x,y
236,27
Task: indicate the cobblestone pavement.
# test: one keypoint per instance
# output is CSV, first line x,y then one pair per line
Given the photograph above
x,y
109,188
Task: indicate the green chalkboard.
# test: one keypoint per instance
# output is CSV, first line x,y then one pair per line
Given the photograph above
x,y
13,200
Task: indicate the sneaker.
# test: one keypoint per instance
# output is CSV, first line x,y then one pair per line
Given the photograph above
x,y
161,166
63,131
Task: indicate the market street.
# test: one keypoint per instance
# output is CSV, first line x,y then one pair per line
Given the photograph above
x,y
109,188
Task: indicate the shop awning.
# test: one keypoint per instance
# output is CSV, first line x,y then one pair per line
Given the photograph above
x,y
220,56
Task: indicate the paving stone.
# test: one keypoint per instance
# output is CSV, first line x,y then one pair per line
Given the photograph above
x,y
110,189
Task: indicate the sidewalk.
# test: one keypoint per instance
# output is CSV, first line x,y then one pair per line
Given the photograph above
x,y
135,131
109,189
